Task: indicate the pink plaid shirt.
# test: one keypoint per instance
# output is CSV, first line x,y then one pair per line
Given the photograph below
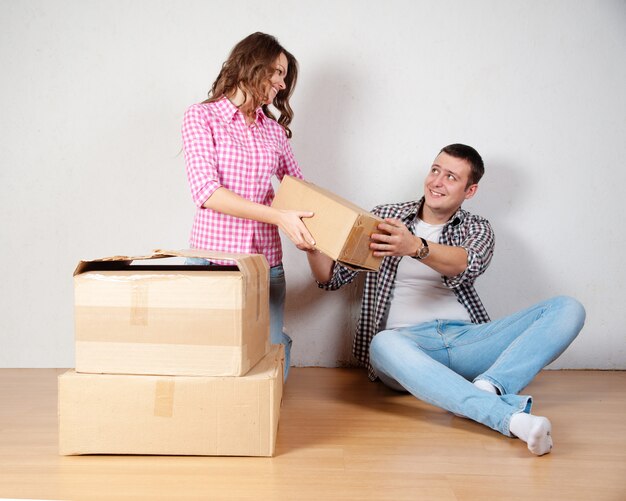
x,y
222,150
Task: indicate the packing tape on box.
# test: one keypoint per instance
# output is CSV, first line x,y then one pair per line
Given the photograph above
x,y
257,276
252,269
357,245
164,398
245,357
139,304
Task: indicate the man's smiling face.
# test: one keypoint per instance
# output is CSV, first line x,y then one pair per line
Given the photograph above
x,y
447,186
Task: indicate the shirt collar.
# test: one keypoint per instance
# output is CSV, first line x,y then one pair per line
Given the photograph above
x,y
227,110
455,220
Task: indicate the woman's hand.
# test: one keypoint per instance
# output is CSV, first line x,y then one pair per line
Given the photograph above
x,y
290,223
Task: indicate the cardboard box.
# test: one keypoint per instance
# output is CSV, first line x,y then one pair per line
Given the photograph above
x,y
171,320
341,229
180,415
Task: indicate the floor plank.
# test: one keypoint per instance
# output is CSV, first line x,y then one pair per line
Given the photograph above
x,y
340,437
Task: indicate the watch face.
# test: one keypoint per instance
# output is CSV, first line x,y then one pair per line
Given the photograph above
x,y
423,252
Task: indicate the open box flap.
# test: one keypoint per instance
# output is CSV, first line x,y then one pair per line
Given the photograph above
x,y
249,264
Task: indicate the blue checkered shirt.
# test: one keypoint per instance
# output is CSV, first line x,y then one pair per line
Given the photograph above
x,y
466,230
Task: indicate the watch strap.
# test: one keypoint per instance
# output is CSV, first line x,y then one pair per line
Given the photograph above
x,y
423,251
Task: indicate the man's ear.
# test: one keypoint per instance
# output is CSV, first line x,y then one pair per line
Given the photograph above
x,y
471,191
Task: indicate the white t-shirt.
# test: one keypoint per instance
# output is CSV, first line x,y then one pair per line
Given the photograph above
x,y
418,294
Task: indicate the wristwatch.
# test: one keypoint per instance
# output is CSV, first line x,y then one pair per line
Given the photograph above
x,y
423,251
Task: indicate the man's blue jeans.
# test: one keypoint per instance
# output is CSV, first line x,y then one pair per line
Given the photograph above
x,y
438,361
277,307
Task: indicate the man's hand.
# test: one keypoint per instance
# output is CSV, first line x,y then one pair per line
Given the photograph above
x,y
448,260
396,240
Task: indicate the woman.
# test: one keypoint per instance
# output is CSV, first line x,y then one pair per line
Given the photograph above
x,y
233,146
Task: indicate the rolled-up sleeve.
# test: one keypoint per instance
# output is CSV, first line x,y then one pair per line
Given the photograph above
x,y
287,164
200,155
479,242
341,276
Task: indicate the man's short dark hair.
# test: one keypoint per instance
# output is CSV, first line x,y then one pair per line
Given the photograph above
x,y
471,156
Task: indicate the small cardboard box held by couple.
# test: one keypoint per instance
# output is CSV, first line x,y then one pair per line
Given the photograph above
x,y
176,359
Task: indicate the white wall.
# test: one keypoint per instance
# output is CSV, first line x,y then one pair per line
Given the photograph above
x,y
91,98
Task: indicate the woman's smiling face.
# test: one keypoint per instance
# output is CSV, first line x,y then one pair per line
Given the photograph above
x,y
277,80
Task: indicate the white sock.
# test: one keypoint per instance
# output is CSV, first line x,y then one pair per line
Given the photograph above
x,y
484,385
536,431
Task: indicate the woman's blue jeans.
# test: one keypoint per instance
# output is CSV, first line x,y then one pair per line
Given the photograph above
x,y
438,361
277,307
278,290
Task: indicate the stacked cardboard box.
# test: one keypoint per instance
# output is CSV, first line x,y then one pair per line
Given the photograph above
x,y
172,359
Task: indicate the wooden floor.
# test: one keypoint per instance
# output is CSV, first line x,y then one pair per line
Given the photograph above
x,y
340,437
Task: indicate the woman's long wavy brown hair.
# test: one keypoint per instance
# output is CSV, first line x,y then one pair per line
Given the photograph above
x,y
249,68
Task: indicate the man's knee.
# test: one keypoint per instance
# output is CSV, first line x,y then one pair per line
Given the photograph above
x,y
382,344
383,358
570,315
570,308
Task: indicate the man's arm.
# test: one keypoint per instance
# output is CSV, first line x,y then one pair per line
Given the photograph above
x,y
447,260
321,266
329,274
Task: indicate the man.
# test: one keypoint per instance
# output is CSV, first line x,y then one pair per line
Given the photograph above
x,y
423,328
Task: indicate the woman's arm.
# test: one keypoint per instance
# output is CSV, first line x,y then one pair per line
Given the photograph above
x,y
201,165
290,222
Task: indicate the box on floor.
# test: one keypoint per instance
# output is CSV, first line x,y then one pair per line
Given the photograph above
x,y
178,415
